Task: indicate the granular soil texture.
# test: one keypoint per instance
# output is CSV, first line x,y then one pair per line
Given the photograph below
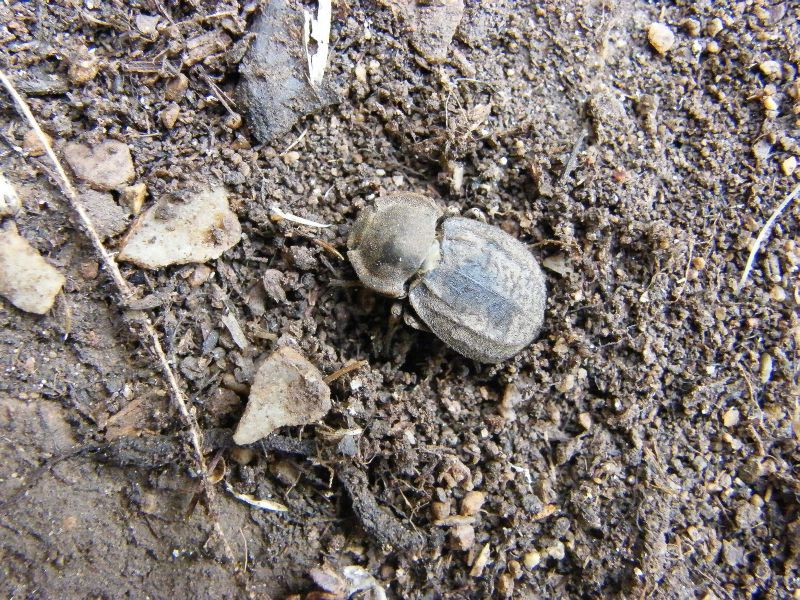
x,y
645,445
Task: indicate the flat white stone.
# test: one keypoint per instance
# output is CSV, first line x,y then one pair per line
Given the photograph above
x,y
287,390
177,233
27,280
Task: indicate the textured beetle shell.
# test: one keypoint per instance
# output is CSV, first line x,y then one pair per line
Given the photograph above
x,y
389,242
486,297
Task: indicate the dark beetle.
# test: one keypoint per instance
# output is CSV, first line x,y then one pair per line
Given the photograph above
x,y
477,288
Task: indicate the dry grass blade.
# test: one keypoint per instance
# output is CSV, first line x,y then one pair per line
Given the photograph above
x,y
762,236
150,336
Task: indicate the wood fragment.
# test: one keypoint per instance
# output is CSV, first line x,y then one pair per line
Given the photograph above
x,y
345,370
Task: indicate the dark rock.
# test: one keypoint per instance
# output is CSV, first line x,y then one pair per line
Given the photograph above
x,y
274,87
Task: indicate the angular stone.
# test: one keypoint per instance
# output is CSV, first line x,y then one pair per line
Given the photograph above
x,y
108,217
274,86
106,166
27,280
287,390
173,232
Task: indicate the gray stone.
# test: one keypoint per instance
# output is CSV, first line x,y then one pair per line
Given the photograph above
x,y
274,87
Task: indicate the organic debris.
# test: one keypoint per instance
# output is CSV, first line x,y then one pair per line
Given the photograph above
x,y
27,280
262,503
287,390
179,232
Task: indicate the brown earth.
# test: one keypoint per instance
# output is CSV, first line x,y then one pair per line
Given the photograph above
x,y
646,445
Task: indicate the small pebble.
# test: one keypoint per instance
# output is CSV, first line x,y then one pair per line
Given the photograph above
x,y
532,559
692,26
661,37
789,165
83,68
133,197
176,87
557,551
32,145
440,510
770,68
769,103
731,417
242,456
89,269
505,585
27,280
585,420
462,537
472,503
714,26
104,166
777,293
169,116
699,263
291,157
199,276
713,47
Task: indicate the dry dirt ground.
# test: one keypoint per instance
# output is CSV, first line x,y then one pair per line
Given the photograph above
x,y
645,445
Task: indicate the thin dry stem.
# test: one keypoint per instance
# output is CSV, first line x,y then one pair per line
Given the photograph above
x,y
126,291
762,236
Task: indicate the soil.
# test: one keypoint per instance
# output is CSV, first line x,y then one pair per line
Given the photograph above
x,y
645,445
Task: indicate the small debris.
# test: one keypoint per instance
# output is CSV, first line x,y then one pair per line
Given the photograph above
x,y
273,285
556,551
83,67
714,26
28,281
532,559
432,24
169,233
147,24
481,561
770,68
32,144
105,167
761,149
360,580
202,46
661,37
440,510
329,580
232,325
505,585
169,116
261,503
176,87
278,214
9,201
275,88
585,421
472,503
788,166
731,417
242,456
462,537
133,197
287,390
108,217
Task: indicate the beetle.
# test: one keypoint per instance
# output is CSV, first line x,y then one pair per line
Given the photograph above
x,y
475,286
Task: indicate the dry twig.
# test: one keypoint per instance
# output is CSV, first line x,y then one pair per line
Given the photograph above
x,y
127,294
